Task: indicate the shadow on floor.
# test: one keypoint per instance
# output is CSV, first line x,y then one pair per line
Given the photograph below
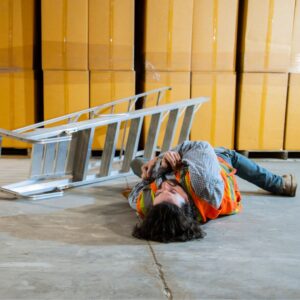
x,y
106,222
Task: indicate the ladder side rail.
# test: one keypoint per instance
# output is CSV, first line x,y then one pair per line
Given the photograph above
x,y
127,99
55,131
76,115
21,137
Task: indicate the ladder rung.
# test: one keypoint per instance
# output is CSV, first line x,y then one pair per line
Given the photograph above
x,y
132,143
49,159
82,153
109,148
36,160
187,123
170,130
61,157
152,135
71,153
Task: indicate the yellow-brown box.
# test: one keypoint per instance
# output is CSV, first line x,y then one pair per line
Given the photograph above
x,y
168,35
261,115
295,53
17,37
111,35
65,92
214,35
292,130
267,33
65,34
18,103
215,120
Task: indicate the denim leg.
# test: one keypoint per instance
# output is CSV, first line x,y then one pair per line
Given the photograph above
x,y
252,172
136,165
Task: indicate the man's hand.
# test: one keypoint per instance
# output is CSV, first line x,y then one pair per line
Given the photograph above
x,y
171,159
147,168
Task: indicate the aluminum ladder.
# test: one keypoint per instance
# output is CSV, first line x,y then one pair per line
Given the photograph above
x,y
60,156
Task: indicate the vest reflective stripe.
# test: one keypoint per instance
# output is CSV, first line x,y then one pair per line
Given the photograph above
x,y
232,196
145,199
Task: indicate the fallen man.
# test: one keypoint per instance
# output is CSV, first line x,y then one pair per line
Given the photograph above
x,y
191,184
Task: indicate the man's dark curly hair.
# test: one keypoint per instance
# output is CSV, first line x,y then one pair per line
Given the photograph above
x,y
167,223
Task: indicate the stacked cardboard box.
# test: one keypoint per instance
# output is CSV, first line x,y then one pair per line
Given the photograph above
x,y
111,56
265,59
214,122
65,56
213,70
87,55
17,76
167,51
292,130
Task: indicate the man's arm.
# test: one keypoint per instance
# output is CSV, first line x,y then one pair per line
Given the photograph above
x,y
204,170
172,159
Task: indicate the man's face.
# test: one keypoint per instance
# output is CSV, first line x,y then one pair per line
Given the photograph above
x,y
172,192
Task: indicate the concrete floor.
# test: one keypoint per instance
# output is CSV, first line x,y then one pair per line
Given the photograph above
x,y
79,246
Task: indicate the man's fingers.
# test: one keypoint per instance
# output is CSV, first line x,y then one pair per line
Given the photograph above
x,y
170,159
178,159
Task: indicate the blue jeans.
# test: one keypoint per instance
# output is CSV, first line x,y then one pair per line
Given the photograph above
x,y
250,171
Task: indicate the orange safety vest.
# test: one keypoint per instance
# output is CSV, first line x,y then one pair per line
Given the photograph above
x,y
230,203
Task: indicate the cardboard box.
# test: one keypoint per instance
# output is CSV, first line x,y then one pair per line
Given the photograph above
x,y
111,35
214,35
261,116
17,37
267,33
168,35
107,86
18,103
295,54
180,83
65,92
64,34
215,120
292,130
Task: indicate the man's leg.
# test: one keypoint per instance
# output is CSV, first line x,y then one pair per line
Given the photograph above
x,y
252,172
